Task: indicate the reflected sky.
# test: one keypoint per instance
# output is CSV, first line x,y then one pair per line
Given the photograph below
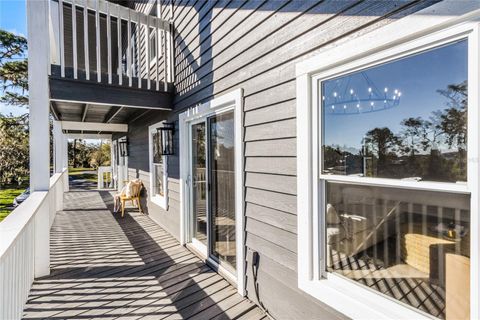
x,y
418,77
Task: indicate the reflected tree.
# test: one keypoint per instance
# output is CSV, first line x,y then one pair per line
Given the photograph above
x,y
383,142
454,124
430,149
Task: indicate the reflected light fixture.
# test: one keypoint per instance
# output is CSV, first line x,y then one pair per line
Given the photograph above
x,y
165,133
355,101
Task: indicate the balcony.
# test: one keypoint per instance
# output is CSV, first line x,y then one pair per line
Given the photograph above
x,y
106,61
106,266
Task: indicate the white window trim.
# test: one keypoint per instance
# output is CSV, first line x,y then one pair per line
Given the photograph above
x,y
232,100
428,28
155,198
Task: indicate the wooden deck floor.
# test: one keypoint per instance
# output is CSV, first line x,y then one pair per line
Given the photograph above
x,y
107,267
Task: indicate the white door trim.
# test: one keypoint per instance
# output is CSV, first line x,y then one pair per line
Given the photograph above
x,y
227,101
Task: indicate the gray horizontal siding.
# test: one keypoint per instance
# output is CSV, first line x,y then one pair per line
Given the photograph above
x,y
139,168
254,45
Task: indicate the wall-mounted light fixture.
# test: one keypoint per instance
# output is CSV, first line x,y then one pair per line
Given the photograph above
x,y
123,147
165,133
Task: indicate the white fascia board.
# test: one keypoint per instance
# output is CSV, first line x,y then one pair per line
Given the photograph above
x,y
94,126
423,22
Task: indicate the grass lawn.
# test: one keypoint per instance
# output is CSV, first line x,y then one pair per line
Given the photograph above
x,y
7,195
73,171
78,173
86,176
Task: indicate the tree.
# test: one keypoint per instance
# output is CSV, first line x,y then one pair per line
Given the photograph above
x,y
14,156
13,69
453,122
381,141
100,156
14,149
414,134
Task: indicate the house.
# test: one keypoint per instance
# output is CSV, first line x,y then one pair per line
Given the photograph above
x,y
321,156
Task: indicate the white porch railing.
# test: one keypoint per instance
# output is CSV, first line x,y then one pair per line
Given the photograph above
x,y
22,245
100,36
105,178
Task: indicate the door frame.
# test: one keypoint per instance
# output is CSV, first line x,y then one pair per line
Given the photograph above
x,y
199,247
232,100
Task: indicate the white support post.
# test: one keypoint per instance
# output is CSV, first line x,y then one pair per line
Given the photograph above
x,y
66,186
57,147
38,64
54,34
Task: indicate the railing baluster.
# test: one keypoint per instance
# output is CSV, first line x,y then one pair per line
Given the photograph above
x,y
98,43
157,53
129,49
74,38
109,44
85,41
147,53
165,63
119,45
62,44
53,38
139,57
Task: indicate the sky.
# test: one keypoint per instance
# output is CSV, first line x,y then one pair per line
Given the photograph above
x,y
418,78
13,18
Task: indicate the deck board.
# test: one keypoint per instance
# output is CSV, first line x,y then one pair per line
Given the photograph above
x,y
107,267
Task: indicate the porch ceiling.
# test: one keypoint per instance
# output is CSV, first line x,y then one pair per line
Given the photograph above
x,y
95,113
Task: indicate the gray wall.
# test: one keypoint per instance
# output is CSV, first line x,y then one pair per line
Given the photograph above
x,y
139,168
223,45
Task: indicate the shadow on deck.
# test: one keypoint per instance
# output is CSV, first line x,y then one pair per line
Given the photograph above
x,y
104,266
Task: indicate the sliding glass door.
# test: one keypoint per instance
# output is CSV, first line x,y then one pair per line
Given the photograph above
x,y
199,182
213,187
222,191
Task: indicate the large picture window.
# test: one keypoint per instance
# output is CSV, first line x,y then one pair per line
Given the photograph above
x,y
405,119
387,167
158,168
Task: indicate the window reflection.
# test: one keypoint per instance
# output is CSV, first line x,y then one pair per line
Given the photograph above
x,y
406,119
411,245
157,166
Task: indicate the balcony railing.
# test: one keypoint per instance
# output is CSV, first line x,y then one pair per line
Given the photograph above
x,y
105,178
22,244
105,42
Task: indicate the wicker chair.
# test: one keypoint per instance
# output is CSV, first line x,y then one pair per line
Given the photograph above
x,y
137,187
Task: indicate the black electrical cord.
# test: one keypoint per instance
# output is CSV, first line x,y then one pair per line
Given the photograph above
x,y
255,262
